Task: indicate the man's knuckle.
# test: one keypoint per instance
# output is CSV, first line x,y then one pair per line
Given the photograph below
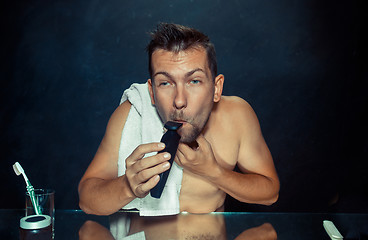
x,y
136,192
140,191
190,157
141,176
137,165
138,150
128,174
128,161
146,175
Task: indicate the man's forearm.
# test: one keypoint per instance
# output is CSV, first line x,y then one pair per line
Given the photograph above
x,y
247,187
104,197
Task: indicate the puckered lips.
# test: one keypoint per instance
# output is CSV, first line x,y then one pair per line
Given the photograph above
x,y
185,123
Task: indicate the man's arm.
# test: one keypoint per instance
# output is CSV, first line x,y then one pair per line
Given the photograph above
x,y
258,182
101,191
255,160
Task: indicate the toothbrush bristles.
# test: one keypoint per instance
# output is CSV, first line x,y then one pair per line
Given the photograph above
x,y
16,168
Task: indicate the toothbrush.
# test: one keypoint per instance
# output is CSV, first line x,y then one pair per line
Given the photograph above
x,y
19,170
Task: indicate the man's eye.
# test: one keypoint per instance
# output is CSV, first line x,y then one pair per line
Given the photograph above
x,y
195,81
164,83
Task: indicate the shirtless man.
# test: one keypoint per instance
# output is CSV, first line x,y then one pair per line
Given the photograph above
x,y
218,133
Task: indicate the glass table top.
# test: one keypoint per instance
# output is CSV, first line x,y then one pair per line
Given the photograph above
x,y
75,224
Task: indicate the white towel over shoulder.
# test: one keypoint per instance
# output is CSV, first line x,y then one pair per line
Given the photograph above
x,y
144,125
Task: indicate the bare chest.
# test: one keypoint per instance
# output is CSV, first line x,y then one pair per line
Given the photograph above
x,y
197,193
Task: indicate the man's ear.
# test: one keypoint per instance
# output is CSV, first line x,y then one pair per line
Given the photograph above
x,y
150,88
219,84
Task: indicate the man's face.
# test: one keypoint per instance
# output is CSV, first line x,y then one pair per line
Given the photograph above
x,y
182,89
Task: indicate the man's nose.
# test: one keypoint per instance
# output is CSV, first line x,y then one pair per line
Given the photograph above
x,y
180,100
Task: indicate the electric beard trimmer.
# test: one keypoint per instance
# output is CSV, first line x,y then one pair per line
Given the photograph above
x,y
171,139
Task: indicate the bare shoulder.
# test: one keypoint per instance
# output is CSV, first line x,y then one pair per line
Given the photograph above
x,y
240,118
118,118
234,102
115,126
237,111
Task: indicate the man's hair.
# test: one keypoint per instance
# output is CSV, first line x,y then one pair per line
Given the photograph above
x,y
176,38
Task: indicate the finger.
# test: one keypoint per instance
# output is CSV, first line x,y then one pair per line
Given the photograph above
x,y
179,157
146,174
142,150
151,161
144,188
201,140
139,192
142,170
184,148
177,160
186,152
203,145
137,181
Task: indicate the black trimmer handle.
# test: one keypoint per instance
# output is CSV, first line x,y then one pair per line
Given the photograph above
x,y
171,139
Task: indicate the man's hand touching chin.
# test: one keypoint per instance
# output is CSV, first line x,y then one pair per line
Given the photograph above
x,y
199,160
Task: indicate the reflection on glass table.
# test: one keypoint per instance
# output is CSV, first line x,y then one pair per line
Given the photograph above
x,y
182,226
69,224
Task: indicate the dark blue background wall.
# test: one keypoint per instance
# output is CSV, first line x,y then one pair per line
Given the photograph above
x,y
301,64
